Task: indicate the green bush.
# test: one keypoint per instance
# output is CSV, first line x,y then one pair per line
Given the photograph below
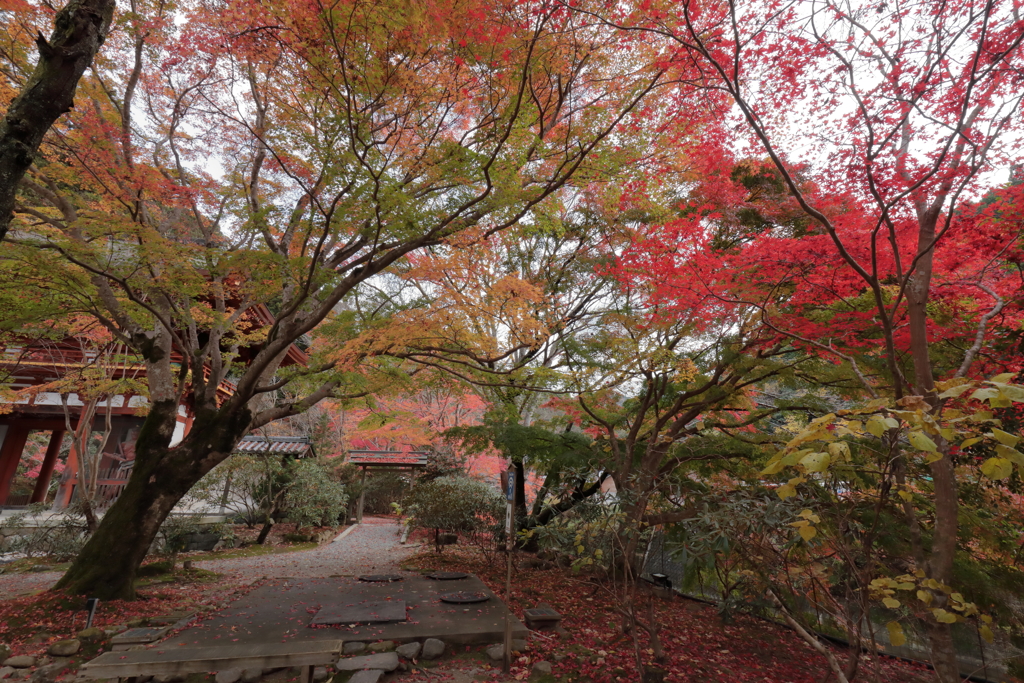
x,y
457,504
246,487
383,489
58,538
314,498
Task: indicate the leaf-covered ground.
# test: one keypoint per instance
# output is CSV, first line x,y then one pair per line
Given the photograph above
x,y
29,624
699,647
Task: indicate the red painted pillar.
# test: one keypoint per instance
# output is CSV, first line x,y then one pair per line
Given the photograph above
x,y
70,478
46,470
10,456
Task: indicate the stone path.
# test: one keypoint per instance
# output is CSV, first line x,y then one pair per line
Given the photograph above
x,y
371,547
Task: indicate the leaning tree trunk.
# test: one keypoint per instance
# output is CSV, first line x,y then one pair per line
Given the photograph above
x,y
162,475
79,30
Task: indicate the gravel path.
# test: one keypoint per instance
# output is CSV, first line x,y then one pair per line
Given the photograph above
x,y
371,547
16,585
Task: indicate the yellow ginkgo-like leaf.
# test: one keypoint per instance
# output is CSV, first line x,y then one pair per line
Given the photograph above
x,y
816,462
954,392
997,468
1005,438
839,449
808,532
875,426
896,635
809,515
943,617
1011,454
891,603
986,633
922,442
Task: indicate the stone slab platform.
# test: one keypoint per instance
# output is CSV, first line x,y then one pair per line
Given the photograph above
x,y
282,610
361,613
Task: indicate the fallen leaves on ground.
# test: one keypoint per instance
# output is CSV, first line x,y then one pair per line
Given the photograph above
x,y
699,647
28,624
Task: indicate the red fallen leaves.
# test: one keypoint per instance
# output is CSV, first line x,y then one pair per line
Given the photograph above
x,y
698,645
62,616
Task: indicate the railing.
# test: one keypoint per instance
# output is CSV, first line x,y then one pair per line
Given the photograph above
x,y
109,484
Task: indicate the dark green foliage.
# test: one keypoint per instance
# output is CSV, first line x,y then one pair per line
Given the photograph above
x,y
456,504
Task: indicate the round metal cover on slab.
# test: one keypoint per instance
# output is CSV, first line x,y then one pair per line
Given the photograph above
x,y
380,578
465,597
447,576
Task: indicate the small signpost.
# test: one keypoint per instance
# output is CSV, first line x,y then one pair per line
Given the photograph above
x,y
90,606
508,483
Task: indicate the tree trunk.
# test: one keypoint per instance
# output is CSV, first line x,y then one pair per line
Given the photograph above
x,y
943,653
79,30
939,564
520,493
107,565
265,531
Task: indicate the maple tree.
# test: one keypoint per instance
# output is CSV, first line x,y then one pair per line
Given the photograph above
x,y
48,92
893,117
349,136
503,309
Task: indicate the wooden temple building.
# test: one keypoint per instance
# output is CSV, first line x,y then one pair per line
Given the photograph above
x,y
36,448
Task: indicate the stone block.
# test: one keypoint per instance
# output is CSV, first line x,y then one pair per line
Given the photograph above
x,y
496,652
20,661
92,635
6,671
168,678
540,668
320,674
229,676
432,648
353,648
251,675
381,646
5,651
386,661
48,673
64,648
367,676
409,650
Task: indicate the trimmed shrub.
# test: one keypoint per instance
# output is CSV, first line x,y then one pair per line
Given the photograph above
x,y
456,504
314,498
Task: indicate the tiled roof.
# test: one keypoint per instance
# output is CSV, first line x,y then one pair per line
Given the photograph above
x,y
274,445
388,458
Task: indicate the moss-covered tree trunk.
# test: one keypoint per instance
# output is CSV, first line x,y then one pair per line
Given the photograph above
x,y
79,30
162,475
